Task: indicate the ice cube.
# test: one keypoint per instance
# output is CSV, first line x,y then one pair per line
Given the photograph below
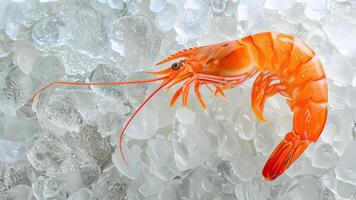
x,y
25,56
137,40
185,116
47,69
170,191
58,112
107,73
166,17
218,6
11,151
342,75
152,185
346,167
245,125
245,169
52,187
79,170
278,5
77,63
18,88
324,156
45,1
19,192
18,173
117,4
135,163
161,157
110,185
190,145
316,10
191,20
24,128
157,5
46,153
334,27
49,34
305,187
90,142
249,190
228,27
81,194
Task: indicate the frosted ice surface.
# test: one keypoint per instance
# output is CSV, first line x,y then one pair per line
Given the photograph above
x,y
135,35
305,187
346,168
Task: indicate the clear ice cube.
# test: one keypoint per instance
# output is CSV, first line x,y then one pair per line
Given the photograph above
x,y
137,40
190,145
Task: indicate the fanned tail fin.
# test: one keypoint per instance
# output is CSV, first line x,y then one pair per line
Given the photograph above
x,y
291,147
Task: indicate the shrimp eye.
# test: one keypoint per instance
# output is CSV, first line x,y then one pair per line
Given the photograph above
x,y
176,66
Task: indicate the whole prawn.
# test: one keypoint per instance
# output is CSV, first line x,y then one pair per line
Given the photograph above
x,y
284,64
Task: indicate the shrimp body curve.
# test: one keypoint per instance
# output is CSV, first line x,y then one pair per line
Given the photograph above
x,y
285,65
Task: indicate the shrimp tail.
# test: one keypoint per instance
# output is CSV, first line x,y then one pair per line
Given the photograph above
x,y
291,147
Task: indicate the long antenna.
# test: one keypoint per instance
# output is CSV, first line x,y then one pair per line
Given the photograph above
x,y
38,92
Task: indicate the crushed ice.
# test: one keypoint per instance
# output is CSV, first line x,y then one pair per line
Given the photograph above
x,y
65,144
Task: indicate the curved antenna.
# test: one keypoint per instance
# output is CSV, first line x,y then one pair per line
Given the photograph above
x,y
38,92
133,116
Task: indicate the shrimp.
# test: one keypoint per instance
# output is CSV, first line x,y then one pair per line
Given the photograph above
x,y
284,65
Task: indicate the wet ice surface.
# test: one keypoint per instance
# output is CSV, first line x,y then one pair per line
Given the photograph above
x,y
65,144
